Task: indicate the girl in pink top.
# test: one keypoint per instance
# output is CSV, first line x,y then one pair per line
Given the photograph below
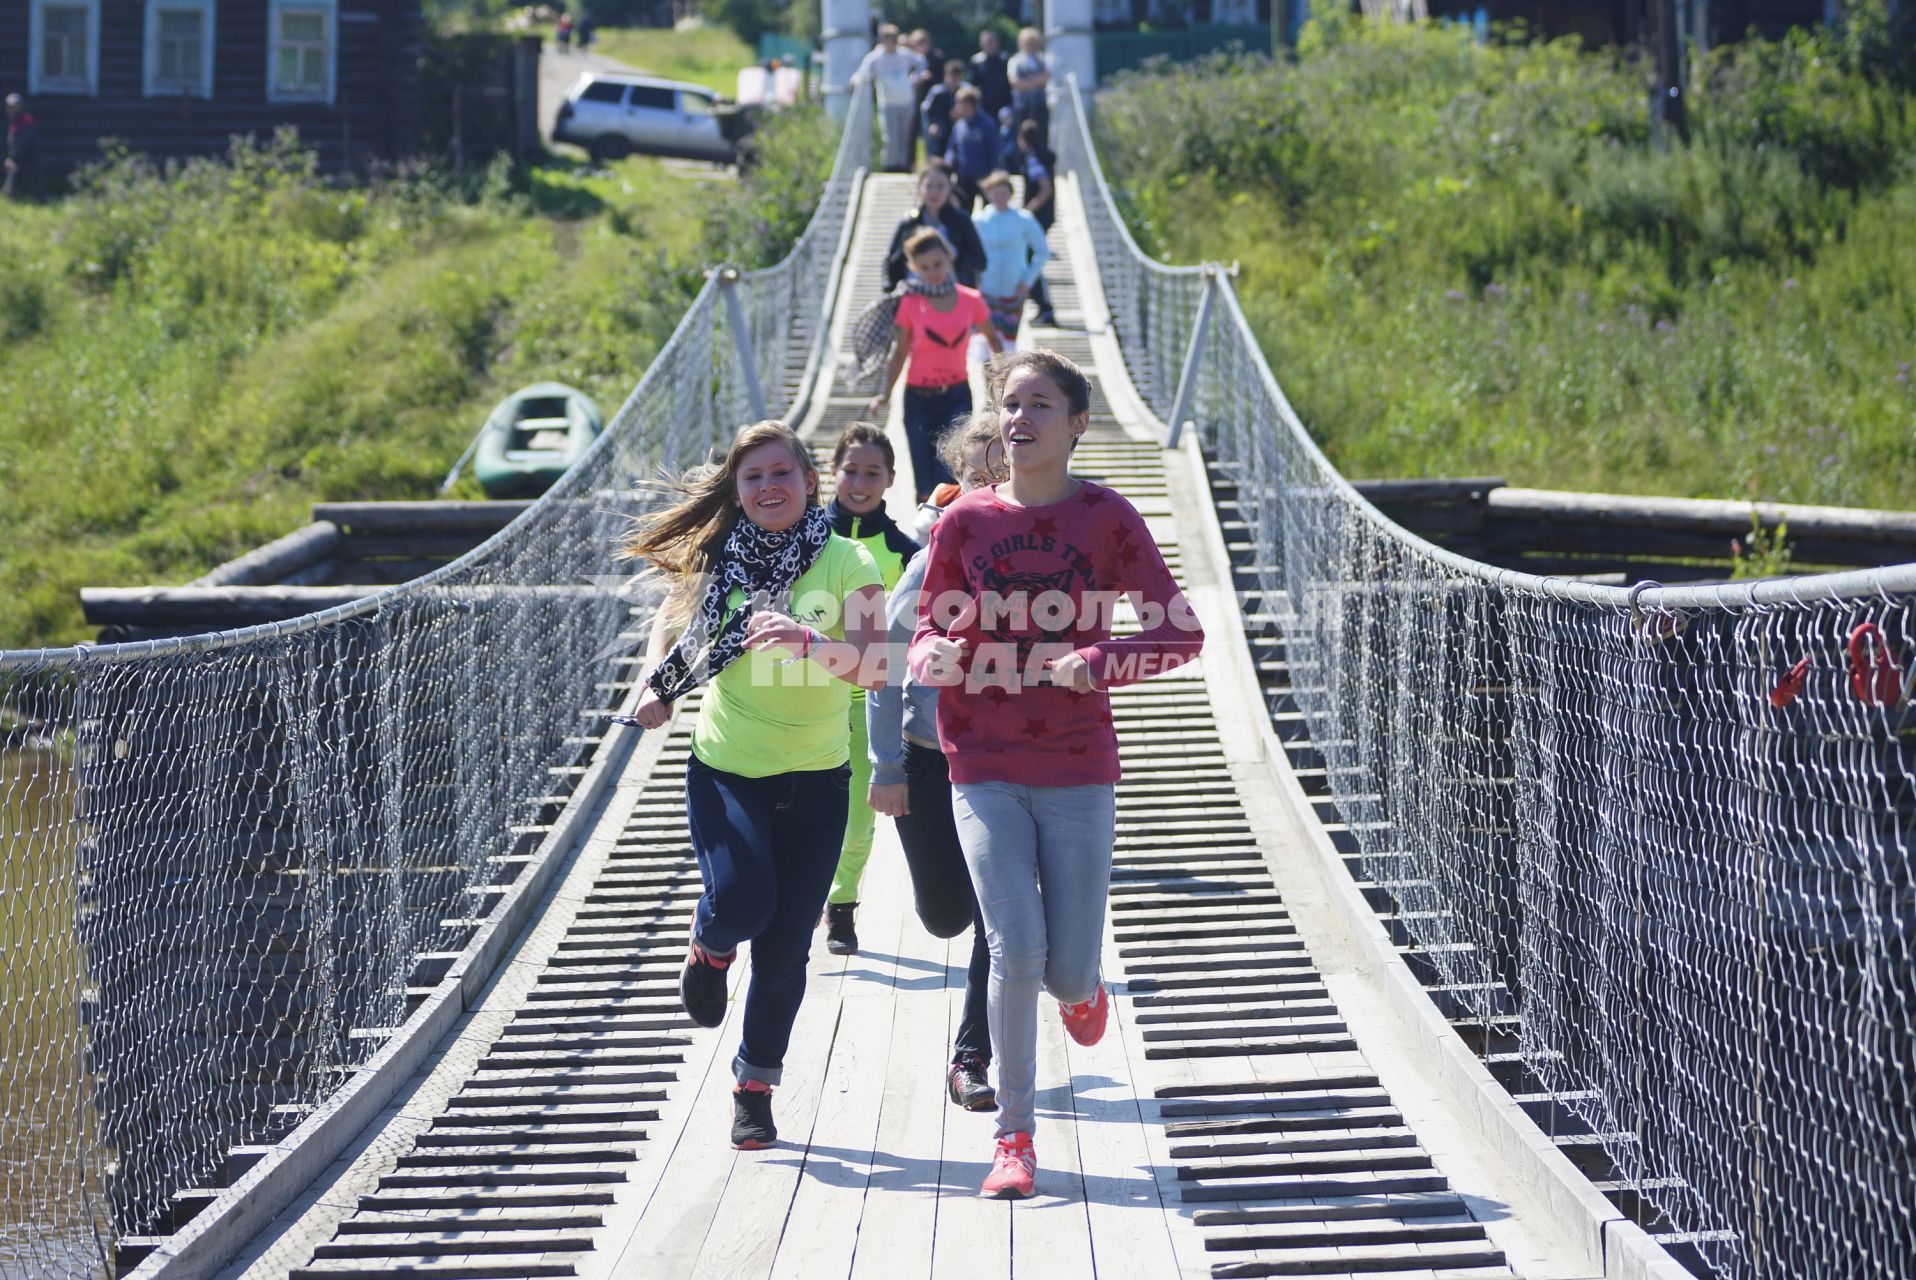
x,y
1014,625
934,324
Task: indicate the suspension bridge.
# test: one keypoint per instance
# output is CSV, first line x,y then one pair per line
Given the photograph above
x,y
1464,923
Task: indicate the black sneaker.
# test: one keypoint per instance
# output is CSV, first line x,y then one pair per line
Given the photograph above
x,y
752,1127
969,1085
1048,318
702,986
840,938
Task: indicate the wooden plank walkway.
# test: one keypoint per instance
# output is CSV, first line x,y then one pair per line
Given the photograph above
x,y
1227,1124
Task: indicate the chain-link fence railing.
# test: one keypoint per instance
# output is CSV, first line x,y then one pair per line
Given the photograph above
x,y
223,858
1659,840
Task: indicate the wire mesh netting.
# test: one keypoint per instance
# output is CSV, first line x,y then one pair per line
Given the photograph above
x,y
1658,840
223,859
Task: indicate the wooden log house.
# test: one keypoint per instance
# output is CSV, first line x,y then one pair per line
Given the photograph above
x,y
177,78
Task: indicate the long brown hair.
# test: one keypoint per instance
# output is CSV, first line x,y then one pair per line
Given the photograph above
x,y
681,542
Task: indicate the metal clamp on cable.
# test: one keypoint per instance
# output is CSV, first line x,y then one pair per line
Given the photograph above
x,y
1636,611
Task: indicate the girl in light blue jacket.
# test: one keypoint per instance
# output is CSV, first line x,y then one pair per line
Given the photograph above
x,y
1015,254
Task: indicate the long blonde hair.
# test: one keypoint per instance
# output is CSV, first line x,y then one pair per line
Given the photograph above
x,y
681,542
981,428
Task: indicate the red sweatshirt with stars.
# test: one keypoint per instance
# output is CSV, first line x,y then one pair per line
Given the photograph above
x,y
1023,585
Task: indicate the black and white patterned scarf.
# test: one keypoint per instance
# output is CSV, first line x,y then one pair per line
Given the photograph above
x,y
872,330
763,565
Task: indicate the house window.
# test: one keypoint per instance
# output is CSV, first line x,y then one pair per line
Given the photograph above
x,y
301,67
179,48
64,38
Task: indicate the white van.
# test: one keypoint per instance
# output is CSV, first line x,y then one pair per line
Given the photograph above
x,y
614,116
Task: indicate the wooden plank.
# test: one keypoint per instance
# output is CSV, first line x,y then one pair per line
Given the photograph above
x,y
420,517
895,1238
840,1153
684,1174
974,1234
1051,1232
753,1208
1129,1219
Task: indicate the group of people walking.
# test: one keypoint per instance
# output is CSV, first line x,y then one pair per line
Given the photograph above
x,y
976,108
960,689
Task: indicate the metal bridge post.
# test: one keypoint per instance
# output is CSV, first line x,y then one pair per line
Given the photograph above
x,y
846,37
742,340
1193,357
1067,33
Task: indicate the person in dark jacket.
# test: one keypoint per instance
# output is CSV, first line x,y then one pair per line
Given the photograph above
x,y
937,208
22,170
973,150
989,74
935,115
1040,169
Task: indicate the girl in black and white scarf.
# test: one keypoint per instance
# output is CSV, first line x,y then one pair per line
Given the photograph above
x,y
780,617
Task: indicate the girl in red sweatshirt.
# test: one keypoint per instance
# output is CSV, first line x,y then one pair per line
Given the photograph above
x,y
1014,625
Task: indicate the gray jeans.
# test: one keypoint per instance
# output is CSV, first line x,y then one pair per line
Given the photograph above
x,y
894,129
1040,859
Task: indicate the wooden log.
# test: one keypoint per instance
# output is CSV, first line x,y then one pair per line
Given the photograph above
x,y
413,545
219,607
380,573
1400,493
278,560
482,518
1697,526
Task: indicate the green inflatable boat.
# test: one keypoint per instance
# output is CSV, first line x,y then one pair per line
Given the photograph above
x,y
532,437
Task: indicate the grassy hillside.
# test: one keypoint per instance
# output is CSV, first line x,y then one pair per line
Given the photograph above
x,y
1464,260
188,360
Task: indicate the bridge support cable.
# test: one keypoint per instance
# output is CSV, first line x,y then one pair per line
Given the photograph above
x,y
1653,849
235,867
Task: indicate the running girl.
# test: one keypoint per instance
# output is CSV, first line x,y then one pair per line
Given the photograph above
x,y
1015,623
911,784
933,326
863,467
776,613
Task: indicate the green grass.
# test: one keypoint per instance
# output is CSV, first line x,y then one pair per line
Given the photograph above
x,y
709,55
1470,260
189,361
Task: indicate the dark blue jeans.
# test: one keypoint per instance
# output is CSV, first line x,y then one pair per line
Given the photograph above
x,y
941,885
767,848
927,415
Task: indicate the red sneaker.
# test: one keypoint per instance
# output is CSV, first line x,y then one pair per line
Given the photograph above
x,y
1086,1021
1014,1168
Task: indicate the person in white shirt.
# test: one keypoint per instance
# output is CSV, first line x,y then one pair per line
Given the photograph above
x,y
894,71
1030,75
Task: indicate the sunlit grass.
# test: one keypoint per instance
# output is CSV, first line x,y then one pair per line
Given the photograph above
x,y
1470,260
708,55
189,370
